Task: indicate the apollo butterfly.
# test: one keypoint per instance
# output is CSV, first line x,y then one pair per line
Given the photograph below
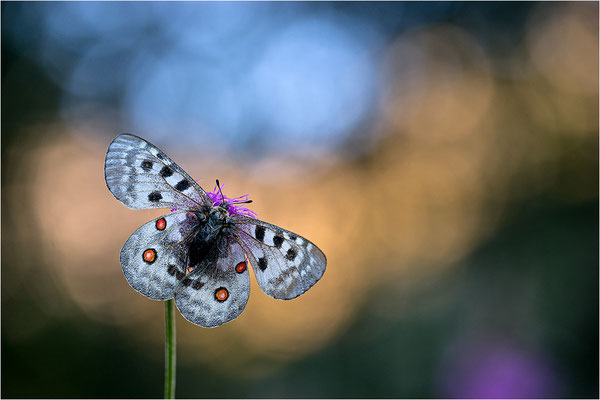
x,y
199,253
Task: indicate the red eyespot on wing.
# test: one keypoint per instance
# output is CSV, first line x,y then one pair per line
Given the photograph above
x,y
161,224
149,256
221,294
241,267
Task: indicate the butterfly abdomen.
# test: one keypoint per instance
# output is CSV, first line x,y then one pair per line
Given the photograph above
x,y
207,245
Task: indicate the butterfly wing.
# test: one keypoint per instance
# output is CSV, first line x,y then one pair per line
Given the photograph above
x,y
154,257
285,264
141,176
217,290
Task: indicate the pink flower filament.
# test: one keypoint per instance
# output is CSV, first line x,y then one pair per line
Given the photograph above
x,y
218,198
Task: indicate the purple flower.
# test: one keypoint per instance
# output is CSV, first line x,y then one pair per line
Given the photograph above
x,y
218,198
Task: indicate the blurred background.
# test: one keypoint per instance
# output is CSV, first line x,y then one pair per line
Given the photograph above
x,y
443,155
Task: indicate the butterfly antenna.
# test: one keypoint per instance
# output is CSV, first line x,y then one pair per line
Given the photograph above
x,y
233,202
242,202
220,191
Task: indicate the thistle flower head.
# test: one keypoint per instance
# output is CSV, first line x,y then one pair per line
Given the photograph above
x,y
218,198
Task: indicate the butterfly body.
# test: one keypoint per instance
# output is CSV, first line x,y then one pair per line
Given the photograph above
x,y
209,238
199,254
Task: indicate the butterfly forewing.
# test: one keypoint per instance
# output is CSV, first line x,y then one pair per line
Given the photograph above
x,y
217,290
284,263
154,258
141,176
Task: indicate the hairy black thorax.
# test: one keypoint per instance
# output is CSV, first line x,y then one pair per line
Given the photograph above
x,y
210,239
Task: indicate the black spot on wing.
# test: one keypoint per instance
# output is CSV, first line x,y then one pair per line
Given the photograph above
x,y
146,165
182,185
161,156
291,254
277,241
155,196
262,263
259,232
198,285
166,171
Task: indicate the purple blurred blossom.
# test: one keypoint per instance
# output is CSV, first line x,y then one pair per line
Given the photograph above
x,y
498,370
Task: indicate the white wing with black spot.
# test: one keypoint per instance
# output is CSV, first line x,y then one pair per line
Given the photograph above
x,y
217,290
141,176
154,258
285,264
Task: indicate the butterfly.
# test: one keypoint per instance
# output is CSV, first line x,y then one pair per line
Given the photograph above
x,y
199,253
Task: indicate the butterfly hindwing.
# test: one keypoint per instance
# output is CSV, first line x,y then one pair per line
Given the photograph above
x,y
285,264
154,257
141,176
217,290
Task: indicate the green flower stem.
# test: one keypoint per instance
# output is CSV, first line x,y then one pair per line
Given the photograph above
x,y
169,350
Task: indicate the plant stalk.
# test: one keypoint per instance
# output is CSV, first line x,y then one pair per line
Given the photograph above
x,y
169,349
